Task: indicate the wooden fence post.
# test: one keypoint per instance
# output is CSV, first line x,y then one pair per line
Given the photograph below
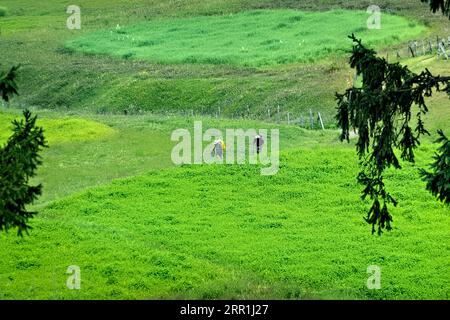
x,y
320,119
411,50
278,113
442,50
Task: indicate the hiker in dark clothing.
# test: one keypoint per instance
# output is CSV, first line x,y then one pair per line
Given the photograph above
x,y
258,141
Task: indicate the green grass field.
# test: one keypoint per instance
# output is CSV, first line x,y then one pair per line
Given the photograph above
x,y
227,232
254,38
115,205
205,231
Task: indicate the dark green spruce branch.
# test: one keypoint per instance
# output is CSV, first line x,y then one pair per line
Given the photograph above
x,y
381,111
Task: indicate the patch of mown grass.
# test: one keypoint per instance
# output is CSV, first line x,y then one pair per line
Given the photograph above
x,y
225,231
254,38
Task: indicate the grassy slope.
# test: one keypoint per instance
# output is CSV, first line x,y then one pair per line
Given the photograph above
x,y
133,145
141,143
227,232
34,35
145,256
296,241
255,38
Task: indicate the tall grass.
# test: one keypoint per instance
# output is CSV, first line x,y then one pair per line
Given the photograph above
x,y
254,39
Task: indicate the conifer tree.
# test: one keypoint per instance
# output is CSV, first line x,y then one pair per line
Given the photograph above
x,y
19,159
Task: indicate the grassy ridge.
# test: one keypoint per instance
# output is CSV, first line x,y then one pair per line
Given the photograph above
x,y
221,231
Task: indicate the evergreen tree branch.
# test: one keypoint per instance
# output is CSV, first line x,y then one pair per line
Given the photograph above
x,y
381,110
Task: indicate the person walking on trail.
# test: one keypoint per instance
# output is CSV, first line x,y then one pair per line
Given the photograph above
x,y
258,141
219,147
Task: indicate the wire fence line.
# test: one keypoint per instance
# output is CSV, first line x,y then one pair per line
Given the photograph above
x,y
438,45
312,119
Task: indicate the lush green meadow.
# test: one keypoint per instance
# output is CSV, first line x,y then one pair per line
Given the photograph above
x,y
115,205
220,231
251,38
225,231
81,157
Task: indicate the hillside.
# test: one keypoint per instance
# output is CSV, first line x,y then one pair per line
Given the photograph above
x,y
110,96
53,77
206,233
